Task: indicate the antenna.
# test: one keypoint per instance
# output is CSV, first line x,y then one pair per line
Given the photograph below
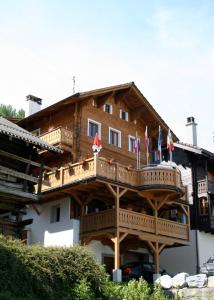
x,y
74,82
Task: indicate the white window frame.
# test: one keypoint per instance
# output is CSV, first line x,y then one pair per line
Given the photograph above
x,y
119,136
126,115
99,127
104,108
129,142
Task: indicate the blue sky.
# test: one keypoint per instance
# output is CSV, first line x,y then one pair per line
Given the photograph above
x,y
165,47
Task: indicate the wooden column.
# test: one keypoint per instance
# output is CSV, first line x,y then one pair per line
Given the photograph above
x,y
156,249
115,190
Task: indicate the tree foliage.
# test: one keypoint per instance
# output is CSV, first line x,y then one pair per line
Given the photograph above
x,y
8,111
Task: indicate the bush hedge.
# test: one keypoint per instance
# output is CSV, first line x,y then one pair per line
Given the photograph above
x,y
37,272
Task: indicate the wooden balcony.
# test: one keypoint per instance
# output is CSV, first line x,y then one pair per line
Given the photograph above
x,y
205,186
104,220
202,187
58,137
101,168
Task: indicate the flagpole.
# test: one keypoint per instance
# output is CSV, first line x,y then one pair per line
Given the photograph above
x,y
170,155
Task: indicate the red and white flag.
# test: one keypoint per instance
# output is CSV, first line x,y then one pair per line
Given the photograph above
x,y
170,145
96,147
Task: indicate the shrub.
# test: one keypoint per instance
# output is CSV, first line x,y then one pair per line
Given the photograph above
x,y
36,272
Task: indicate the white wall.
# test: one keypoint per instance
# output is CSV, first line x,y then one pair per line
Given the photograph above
x,y
99,249
62,233
180,259
205,246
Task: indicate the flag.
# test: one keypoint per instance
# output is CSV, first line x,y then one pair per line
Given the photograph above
x,y
170,145
137,145
146,140
160,140
96,147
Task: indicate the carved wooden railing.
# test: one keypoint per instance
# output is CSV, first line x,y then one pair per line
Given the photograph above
x,y
58,135
8,228
97,221
100,167
160,175
134,221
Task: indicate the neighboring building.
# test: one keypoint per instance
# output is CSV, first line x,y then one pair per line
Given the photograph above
x,y
19,159
197,164
123,213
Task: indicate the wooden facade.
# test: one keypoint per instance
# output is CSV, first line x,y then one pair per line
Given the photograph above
x,y
117,204
201,162
20,171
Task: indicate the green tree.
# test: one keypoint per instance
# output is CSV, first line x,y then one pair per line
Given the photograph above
x,y
8,111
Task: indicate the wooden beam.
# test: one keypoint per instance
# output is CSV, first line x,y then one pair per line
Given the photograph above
x,y
123,236
151,204
21,175
21,196
36,209
25,160
111,189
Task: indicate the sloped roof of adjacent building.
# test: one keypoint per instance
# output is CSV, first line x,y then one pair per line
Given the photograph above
x,y
13,130
195,149
134,99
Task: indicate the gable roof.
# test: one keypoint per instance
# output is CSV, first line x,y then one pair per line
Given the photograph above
x,y
11,129
130,90
195,150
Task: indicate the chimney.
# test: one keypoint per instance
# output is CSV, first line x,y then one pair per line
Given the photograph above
x,y
35,104
191,131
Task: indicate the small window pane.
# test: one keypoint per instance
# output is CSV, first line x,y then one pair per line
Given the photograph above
x,y
114,138
131,144
55,213
107,108
93,129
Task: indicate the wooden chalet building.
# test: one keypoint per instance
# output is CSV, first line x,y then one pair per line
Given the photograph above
x,y
20,169
198,165
102,200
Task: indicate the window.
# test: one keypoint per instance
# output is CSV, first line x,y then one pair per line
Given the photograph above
x,y
131,143
114,137
124,115
93,128
74,209
107,108
203,206
55,213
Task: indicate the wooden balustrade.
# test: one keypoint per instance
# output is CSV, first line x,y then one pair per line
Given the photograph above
x,y
98,221
202,187
158,176
113,171
138,221
134,221
58,135
172,229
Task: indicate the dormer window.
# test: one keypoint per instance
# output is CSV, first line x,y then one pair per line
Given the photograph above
x,y
124,115
107,108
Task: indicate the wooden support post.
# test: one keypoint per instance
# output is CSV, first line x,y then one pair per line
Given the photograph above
x,y
156,258
40,179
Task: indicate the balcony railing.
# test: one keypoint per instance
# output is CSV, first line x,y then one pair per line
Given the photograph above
x,y
202,187
134,221
57,136
102,168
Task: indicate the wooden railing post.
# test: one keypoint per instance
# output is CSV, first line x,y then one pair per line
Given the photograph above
x,y
61,175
